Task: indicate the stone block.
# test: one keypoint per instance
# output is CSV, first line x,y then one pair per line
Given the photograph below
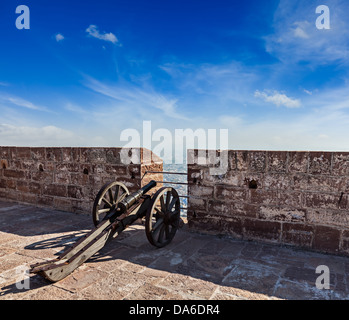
x,y
62,177
76,154
232,226
23,153
282,214
197,204
68,167
232,162
242,160
331,217
42,176
79,179
263,197
55,190
244,209
38,153
227,193
30,165
262,230
290,198
277,161
277,181
300,182
340,163
6,153
326,239
131,184
344,247
327,183
75,192
93,155
34,188
3,183
298,162
118,170
297,234
344,244
231,178
11,184
206,225
23,186
257,161
28,198
320,163
218,208
54,154
113,156
200,191
325,200
62,203
67,154
44,200
14,174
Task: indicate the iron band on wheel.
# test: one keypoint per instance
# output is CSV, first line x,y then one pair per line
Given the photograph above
x,y
107,200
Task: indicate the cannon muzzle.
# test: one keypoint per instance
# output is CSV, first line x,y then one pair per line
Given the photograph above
x,y
125,204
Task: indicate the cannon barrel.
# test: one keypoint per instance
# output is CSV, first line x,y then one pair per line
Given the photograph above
x,y
125,204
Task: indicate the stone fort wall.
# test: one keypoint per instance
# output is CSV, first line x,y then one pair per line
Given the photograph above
x,y
285,197
293,198
69,179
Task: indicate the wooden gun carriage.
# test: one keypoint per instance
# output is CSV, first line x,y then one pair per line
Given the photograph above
x,y
114,210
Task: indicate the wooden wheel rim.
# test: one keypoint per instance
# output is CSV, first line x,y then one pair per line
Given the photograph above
x,y
107,199
163,216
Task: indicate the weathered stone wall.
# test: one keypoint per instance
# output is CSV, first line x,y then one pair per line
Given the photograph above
x,y
68,178
295,198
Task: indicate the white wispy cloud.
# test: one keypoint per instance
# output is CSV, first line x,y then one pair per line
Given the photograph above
x,y
220,86
75,108
279,99
296,38
35,136
59,37
137,98
299,31
320,126
20,102
93,31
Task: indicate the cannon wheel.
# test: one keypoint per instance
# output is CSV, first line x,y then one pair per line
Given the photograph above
x,y
107,199
163,217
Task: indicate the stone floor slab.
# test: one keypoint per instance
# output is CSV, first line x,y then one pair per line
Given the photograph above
x,y
193,266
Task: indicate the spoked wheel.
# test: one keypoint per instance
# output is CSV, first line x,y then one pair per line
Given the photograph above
x,y
163,216
107,199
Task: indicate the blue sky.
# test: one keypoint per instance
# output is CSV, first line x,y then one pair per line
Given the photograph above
x,y
86,70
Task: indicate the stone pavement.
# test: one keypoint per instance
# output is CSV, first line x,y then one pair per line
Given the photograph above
x,y
192,267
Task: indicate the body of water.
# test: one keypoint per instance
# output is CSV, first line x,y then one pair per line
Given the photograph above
x,y
180,188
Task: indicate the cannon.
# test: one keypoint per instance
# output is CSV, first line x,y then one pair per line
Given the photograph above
x,y
114,209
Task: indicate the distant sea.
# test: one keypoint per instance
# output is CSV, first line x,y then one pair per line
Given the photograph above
x,y
181,189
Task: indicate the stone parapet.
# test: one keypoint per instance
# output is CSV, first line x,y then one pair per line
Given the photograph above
x,y
293,198
69,179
